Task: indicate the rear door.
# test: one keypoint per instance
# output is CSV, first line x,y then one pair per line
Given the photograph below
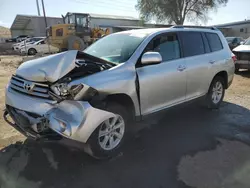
x,y
42,47
218,57
197,62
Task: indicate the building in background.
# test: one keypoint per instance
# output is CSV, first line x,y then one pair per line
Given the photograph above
x,y
32,25
35,25
237,29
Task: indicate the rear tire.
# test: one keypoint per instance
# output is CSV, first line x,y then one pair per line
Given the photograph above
x,y
113,137
32,51
216,93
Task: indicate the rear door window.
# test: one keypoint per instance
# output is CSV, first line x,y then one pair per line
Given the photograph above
x,y
214,42
192,43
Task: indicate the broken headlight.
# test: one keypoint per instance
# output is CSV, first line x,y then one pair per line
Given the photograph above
x,y
76,92
64,89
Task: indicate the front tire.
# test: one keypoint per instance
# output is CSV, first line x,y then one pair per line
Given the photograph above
x,y
216,93
107,139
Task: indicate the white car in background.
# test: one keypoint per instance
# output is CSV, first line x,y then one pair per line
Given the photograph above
x,y
41,46
28,41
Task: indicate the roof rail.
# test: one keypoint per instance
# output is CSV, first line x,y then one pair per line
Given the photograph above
x,y
193,26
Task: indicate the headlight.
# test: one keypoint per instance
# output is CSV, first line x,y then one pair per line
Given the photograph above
x,y
76,92
60,89
63,89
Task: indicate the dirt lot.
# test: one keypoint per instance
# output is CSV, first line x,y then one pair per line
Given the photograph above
x,y
8,65
189,147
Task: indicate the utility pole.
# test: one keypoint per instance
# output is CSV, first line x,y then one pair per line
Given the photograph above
x,y
38,8
44,14
46,25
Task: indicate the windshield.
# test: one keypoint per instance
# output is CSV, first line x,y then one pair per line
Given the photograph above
x,y
81,20
230,39
116,48
247,42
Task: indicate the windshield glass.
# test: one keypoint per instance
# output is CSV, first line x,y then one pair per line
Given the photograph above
x,y
230,39
247,42
81,20
116,48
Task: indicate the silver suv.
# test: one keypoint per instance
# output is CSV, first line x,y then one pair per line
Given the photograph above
x,y
92,96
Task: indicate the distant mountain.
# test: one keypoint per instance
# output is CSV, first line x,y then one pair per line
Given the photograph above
x,y
5,32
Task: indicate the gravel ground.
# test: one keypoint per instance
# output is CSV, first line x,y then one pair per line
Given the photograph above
x,y
180,148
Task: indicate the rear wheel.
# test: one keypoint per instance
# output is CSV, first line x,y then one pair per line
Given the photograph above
x,y
216,93
32,51
107,139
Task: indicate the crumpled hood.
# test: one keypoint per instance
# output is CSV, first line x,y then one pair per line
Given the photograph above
x,y
49,68
242,48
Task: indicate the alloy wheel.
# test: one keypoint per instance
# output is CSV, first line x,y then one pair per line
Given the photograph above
x,y
217,92
111,132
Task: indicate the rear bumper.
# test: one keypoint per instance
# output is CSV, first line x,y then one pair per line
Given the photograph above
x,y
75,120
242,64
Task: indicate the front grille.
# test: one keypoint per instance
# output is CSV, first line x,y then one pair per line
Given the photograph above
x,y
243,55
29,88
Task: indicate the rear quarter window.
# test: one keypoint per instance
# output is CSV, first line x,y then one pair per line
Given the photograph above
x,y
214,42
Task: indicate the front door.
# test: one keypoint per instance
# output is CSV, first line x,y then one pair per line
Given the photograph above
x,y
164,84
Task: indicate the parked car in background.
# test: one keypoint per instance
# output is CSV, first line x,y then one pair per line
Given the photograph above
x,y
18,38
242,53
28,41
92,96
41,46
233,42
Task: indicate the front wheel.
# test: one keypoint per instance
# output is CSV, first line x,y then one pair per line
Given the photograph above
x,y
107,139
216,93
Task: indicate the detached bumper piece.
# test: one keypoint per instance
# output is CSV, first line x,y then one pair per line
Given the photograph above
x,y
21,123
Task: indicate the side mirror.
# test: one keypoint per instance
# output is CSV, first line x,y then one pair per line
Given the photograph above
x,y
242,42
151,58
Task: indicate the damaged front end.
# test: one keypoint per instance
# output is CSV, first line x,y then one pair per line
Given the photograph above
x,y
44,102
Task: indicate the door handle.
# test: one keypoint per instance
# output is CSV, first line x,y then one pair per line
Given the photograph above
x,y
211,62
181,68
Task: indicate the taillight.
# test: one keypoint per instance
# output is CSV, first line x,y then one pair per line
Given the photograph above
x,y
234,58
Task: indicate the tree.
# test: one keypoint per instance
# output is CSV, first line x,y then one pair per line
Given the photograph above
x,y
177,11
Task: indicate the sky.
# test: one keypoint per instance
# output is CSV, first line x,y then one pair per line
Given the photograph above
x,y
236,10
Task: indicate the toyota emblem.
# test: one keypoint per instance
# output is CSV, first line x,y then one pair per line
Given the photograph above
x,y
28,86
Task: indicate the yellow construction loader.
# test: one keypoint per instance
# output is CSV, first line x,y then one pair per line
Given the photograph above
x,y
75,33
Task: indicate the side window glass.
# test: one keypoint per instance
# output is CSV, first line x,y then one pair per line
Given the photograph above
x,y
214,42
206,45
192,44
59,32
234,41
167,45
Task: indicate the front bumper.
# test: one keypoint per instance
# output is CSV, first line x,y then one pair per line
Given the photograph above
x,y
75,120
